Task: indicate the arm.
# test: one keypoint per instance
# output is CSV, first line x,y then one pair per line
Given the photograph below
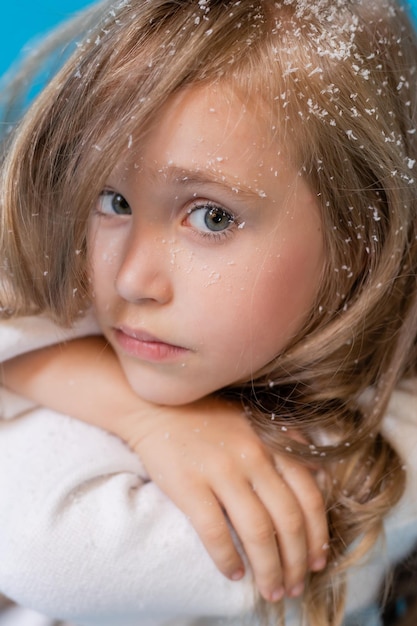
x,y
204,453
85,537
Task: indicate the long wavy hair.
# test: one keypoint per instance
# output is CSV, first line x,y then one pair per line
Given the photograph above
x,y
335,81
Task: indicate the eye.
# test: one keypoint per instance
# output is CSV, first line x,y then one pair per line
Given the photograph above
x,y
210,218
113,203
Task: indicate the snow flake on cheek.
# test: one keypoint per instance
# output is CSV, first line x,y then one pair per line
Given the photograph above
x,y
220,278
103,250
174,256
213,278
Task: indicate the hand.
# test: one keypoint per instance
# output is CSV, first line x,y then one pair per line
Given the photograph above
x,y
209,461
205,456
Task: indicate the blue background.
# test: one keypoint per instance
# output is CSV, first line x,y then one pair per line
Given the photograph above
x,y
22,20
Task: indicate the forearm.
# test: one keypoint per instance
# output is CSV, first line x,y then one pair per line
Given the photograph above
x,y
74,378
204,452
83,378
78,514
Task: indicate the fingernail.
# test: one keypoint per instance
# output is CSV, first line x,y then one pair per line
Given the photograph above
x,y
237,575
318,564
277,594
296,591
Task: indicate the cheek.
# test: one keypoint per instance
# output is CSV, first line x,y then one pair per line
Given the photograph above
x,y
289,293
104,259
270,299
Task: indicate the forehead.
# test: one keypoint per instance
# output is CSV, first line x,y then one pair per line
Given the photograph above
x,y
207,128
208,143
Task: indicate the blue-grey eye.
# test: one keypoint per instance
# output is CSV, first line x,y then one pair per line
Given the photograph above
x,y
113,203
210,218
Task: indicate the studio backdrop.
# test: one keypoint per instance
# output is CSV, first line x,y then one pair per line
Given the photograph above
x,y
23,21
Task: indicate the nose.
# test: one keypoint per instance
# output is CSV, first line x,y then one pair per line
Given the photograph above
x,y
145,273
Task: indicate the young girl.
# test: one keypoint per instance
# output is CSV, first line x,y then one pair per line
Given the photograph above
x,y
229,184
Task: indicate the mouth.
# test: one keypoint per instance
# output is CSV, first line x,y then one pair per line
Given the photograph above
x,y
144,346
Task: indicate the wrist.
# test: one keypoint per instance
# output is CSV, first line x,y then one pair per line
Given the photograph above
x,y
134,423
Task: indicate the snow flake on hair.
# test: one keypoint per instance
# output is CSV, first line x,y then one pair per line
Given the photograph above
x,y
122,4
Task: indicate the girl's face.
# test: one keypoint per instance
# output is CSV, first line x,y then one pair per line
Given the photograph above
x,y
206,250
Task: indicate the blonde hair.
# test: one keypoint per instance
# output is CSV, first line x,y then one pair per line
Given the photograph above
x,y
335,80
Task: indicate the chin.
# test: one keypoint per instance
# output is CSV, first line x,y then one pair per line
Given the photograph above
x,y
160,394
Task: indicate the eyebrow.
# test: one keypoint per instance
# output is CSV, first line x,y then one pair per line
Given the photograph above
x,y
184,176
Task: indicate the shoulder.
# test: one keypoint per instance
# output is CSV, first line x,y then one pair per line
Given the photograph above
x,y
400,527
399,425
400,428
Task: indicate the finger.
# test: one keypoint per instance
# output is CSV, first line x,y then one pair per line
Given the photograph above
x,y
305,488
256,531
289,525
209,520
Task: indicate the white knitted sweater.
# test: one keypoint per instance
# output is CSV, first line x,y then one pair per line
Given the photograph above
x,y
87,538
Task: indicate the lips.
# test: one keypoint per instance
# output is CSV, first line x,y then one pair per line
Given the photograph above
x,y
144,346
140,335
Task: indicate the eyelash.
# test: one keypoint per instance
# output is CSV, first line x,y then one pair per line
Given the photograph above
x,y
216,235
201,205
108,193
